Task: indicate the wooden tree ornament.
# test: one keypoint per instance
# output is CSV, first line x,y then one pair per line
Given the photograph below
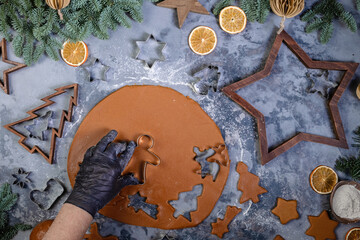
x,y
339,141
5,84
56,133
286,9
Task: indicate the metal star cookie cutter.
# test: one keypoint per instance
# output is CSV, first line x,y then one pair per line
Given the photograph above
x,y
151,63
46,198
89,74
21,178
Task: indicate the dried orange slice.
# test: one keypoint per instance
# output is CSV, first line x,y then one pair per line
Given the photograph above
x,y
358,91
202,40
323,179
232,19
353,234
74,54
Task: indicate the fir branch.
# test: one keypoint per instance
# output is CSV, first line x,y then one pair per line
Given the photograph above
x,y
10,232
320,17
7,198
357,137
357,4
220,5
349,165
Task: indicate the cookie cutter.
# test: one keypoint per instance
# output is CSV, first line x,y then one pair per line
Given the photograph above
x,y
46,198
88,70
149,64
21,178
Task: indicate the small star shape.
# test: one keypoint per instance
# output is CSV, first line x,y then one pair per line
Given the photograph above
x,y
286,210
349,69
21,178
322,227
4,84
150,51
94,70
183,8
321,84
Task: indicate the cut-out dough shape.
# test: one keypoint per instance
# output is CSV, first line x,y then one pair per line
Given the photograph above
x,y
183,8
47,197
221,225
206,167
142,45
221,155
278,237
248,184
137,202
286,210
55,133
40,230
187,202
141,157
340,140
322,227
4,84
21,178
94,234
39,125
207,79
177,124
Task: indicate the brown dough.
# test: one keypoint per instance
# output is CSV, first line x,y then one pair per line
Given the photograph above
x,y
278,237
248,184
94,234
322,227
40,230
221,225
286,210
177,124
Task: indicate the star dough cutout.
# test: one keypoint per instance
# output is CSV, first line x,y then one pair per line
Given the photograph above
x,y
349,69
4,84
150,51
322,227
21,178
286,210
183,8
321,84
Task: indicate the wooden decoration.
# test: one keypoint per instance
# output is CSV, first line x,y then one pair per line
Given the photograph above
x,y
56,133
339,141
94,234
286,210
183,8
286,9
322,227
58,5
5,81
221,225
248,184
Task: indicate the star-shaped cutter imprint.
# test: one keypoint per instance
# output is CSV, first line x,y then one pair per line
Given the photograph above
x,y
322,227
4,84
286,210
21,178
183,8
161,45
339,141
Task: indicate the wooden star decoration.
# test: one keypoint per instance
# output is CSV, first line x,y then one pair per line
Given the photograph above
x,y
322,227
183,8
4,84
286,210
349,70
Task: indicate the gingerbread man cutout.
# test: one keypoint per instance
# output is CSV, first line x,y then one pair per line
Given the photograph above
x,y
248,184
142,156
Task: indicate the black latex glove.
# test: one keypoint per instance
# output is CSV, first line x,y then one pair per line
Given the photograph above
x,y
99,179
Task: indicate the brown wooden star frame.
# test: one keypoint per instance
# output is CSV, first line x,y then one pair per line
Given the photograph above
x,y
339,141
5,84
55,133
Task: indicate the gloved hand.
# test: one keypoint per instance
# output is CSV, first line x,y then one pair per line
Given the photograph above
x,y
99,179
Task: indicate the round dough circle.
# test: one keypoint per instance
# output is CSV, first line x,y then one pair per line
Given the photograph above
x,y
177,124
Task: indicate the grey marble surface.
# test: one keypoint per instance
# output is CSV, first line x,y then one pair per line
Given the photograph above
x,y
282,97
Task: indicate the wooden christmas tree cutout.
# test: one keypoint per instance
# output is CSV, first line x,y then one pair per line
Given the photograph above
x,y
141,157
322,227
183,8
94,234
221,225
55,133
286,210
4,84
339,141
248,184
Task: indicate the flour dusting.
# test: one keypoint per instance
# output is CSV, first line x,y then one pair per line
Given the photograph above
x,y
346,202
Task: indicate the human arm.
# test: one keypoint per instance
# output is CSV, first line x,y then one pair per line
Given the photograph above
x,y
98,181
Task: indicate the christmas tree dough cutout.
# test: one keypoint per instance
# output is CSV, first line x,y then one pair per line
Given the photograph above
x,y
183,8
322,227
94,234
221,225
248,184
66,115
286,210
141,157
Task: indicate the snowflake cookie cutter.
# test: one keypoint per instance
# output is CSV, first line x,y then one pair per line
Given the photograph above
x,y
21,178
46,198
151,63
